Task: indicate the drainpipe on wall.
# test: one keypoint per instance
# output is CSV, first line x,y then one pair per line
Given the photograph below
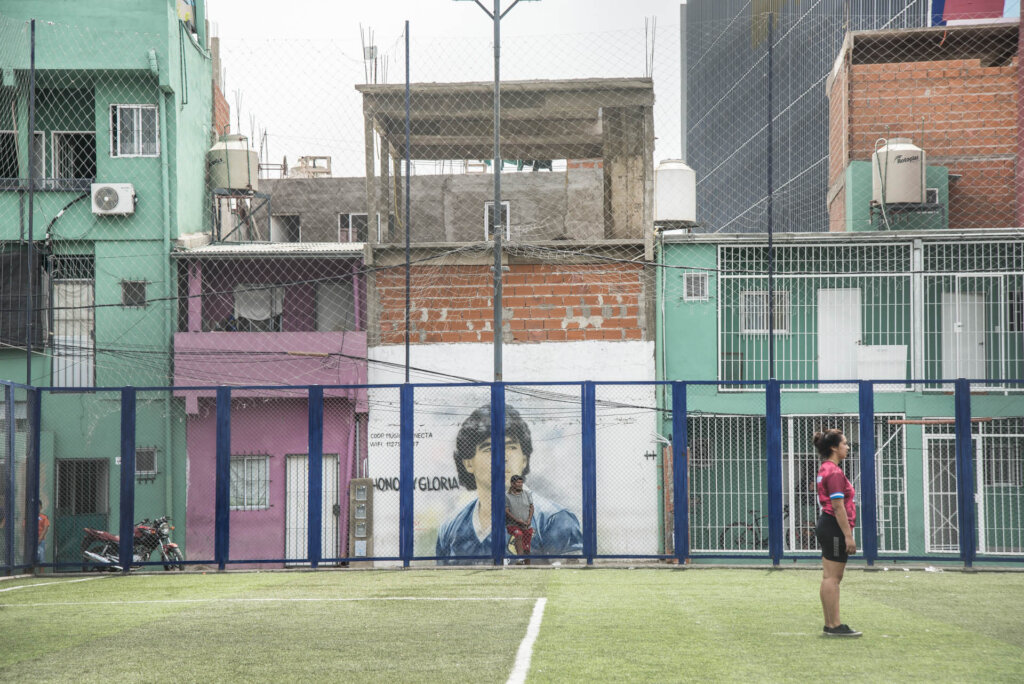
x,y
166,100
661,360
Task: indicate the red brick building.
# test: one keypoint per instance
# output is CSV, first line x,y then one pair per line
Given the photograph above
x,y
557,301
955,92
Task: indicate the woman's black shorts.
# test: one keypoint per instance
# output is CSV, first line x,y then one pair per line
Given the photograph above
x,y
831,539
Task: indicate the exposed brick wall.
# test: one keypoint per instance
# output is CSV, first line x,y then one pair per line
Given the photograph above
x,y
221,113
542,303
963,114
584,163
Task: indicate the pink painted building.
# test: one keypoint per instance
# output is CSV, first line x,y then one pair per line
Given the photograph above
x,y
271,315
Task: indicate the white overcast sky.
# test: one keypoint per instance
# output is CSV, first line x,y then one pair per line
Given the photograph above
x,y
335,19
292,68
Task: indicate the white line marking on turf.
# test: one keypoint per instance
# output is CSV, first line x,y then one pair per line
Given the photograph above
x,y
262,600
522,665
44,584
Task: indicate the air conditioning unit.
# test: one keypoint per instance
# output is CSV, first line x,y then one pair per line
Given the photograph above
x,y
113,198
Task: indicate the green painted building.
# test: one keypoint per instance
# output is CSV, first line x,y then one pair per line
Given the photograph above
x,y
915,308
123,105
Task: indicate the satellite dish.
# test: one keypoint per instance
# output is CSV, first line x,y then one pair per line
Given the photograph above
x,y
106,198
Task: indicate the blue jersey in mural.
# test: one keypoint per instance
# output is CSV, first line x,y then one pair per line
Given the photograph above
x,y
556,531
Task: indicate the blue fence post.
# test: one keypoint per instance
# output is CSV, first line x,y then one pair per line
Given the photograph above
x,y
589,416
127,509
965,472
222,516
497,492
32,478
315,459
9,446
680,483
773,444
868,480
405,473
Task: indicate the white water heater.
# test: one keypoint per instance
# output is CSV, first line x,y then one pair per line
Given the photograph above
x,y
675,193
898,172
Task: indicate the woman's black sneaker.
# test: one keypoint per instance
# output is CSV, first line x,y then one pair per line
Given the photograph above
x,y
841,631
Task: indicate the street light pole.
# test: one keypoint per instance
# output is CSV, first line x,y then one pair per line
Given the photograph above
x,y
499,225
496,15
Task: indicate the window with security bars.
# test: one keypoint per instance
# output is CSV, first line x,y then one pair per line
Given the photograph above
x,y
133,293
133,131
1015,311
1003,464
754,312
74,323
74,159
145,462
250,480
695,286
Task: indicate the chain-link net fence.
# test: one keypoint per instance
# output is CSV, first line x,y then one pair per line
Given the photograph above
x,y
945,476
142,247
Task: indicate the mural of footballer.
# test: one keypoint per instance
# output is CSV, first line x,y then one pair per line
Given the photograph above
x,y
468,532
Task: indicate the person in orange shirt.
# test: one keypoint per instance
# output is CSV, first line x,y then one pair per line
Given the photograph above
x,y
44,527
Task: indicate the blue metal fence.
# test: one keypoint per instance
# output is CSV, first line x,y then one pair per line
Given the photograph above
x,y
22,500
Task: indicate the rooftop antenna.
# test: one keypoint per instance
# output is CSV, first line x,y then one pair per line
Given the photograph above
x,y
650,26
238,109
369,54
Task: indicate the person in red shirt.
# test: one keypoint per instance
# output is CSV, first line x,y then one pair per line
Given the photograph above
x,y
44,527
835,526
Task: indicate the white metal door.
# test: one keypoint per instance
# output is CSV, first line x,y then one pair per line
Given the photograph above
x,y
73,329
297,507
839,334
963,335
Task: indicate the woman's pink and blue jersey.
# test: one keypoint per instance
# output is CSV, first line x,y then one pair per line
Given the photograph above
x,y
832,484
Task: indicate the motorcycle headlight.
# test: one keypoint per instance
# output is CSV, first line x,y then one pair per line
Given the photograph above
x,y
165,528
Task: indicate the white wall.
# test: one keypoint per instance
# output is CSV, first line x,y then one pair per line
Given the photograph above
x,y
627,486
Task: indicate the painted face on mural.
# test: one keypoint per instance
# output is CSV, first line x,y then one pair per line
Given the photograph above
x,y
480,463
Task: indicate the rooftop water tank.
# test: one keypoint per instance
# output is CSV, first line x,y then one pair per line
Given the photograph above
x,y
233,164
898,172
675,193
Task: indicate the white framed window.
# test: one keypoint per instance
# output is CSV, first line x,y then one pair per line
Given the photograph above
x,y
754,312
73,156
695,287
250,482
134,130
506,219
145,462
9,155
354,227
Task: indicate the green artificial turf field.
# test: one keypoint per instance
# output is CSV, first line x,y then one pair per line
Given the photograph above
x,y
653,625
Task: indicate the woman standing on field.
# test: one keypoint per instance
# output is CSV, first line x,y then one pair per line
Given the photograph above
x,y
835,526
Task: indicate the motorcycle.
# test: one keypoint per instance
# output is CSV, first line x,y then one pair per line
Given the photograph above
x,y
101,550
